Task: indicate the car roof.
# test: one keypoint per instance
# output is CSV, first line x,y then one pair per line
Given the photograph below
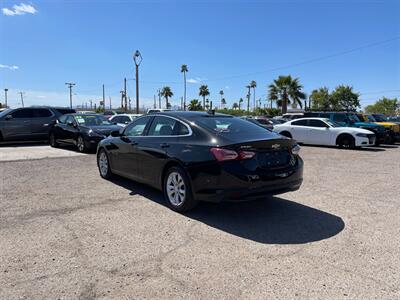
x,y
190,115
309,118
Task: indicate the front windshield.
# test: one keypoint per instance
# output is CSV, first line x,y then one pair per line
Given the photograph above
x,y
92,120
380,118
332,123
354,118
4,112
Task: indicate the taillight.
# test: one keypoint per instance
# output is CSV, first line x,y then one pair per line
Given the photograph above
x,y
224,154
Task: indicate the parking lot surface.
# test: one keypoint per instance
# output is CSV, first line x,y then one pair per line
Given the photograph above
x,y
67,234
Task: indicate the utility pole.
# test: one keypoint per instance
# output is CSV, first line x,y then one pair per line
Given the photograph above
x,y
70,85
110,101
5,96
91,104
155,102
137,57
104,99
159,98
126,100
122,99
22,98
130,106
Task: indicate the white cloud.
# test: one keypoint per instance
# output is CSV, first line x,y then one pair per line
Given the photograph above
x,y
9,67
21,9
227,87
196,80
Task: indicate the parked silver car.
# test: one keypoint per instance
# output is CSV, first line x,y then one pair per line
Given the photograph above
x,y
29,123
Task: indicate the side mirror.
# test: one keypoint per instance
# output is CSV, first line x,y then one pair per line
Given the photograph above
x,y
8,117
115,133
69,123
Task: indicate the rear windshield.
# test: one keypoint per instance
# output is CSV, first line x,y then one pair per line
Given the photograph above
x,y
92,120
230,126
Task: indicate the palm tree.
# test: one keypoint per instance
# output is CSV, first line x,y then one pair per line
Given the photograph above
x,y
221,92
240,102
248,98
223,102
204,92
184,69
194,105
253,85
166,93
284,90
235,106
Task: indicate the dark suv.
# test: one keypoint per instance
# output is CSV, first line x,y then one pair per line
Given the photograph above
x,y
348,119
29,123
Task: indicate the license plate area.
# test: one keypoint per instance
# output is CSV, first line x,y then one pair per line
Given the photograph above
x,y
274,159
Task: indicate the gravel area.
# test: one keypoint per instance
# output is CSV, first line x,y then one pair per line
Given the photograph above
x,y
68,234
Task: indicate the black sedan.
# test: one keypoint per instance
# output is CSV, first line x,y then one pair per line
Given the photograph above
x,y
84,131
199,156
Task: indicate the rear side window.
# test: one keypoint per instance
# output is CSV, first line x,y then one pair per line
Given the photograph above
x,y
41,113
137,128
339,118
22,113
317,123
300,123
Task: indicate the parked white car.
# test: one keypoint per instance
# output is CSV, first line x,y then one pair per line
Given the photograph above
x,y
321,131
123,119
156,110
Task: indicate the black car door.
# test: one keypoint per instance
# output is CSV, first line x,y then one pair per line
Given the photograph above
x,y
123,152
17,124
41,122
70,130
153,150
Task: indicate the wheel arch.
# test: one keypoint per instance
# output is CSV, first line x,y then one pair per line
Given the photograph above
x,y
286,133
171,163
342,135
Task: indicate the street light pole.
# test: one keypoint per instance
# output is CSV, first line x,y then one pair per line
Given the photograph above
x,y
137,57
22,98
70,85
5,96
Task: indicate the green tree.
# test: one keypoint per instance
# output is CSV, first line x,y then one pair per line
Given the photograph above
x,y
240,102
248,87
184,70
221,92
320,99
286,90
195,105
235,106
383,106
223,103
204,92
166,92
343,98
253,85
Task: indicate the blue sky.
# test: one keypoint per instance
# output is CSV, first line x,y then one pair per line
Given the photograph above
x,y
225,44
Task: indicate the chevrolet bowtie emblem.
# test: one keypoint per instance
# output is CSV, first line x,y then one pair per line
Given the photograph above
x,y
275,146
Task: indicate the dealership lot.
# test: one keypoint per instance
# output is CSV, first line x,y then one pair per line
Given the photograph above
x,y
66,233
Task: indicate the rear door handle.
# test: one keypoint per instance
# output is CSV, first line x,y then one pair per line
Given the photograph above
x,y
164,145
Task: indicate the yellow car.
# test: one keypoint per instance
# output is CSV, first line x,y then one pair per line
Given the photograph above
x,y
394,129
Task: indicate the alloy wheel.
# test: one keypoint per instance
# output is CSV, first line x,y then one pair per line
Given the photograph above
x,y
80,144
176,189
103,163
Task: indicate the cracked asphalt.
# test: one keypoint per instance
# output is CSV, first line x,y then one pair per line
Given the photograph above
x,y
65,233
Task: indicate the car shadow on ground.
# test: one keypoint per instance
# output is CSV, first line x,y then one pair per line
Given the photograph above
x,y
273,220
23,144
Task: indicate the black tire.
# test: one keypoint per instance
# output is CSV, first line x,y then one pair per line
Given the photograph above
x,y
52,141
81,145
104,174
188,202
286,133
346,141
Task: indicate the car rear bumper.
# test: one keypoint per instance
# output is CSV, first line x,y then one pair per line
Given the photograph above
x,y
228,186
